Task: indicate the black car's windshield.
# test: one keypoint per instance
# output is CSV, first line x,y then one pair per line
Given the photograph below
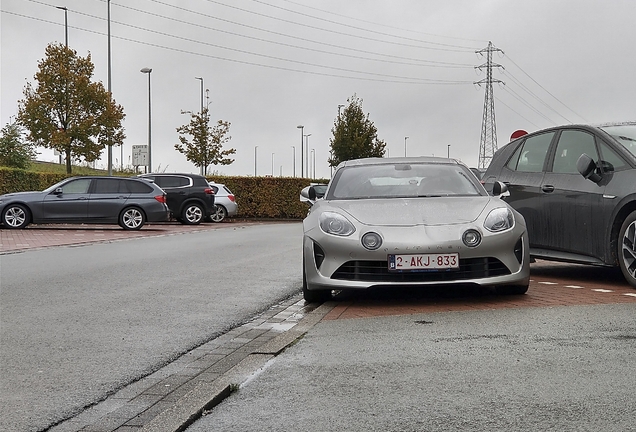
x,y
403,180
624,134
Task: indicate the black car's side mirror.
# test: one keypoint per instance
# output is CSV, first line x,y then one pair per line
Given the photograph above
x,y
58,191
587,168
500,189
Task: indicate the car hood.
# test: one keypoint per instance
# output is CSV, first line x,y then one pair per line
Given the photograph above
x,y
14,195
414,211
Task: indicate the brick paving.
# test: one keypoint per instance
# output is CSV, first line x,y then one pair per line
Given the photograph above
x,y
42,236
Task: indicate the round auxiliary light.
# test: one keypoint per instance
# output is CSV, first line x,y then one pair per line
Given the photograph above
x,y
471,238
371,241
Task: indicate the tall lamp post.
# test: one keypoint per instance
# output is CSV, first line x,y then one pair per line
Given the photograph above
x,y
65,23
201,79
307,152
202,171
448,151
65,39
313,158
294,160
405,138
273,164
255,148
148,71
302,128
339,106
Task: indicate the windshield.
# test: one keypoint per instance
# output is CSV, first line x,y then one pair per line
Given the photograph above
x,y
403,180
624,134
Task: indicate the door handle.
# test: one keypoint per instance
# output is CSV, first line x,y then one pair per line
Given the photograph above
x,y
547,188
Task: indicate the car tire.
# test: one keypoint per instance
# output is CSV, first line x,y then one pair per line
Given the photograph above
x,y
131,218
192,214
219,215
626,248
16,216
314,296
512,289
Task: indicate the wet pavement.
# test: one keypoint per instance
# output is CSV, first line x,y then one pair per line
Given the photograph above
x,y
182,391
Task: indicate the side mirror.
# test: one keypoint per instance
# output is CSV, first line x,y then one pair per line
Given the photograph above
x,y
587,168
58,191
500,189
312,193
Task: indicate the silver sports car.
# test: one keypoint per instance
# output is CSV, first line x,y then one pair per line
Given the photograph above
x,y
410,222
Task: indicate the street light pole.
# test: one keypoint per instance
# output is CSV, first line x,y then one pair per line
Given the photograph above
x,y
201,79
255,148
110,96
307,152
148,71
448,151
65,23
339,106
313,156
201,113
294,162
273,164
66,40
405,138
302,171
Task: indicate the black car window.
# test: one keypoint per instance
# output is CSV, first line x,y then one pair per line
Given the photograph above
x,y
109,186
172,181
531,155
78,186
610,156
572,144
138,187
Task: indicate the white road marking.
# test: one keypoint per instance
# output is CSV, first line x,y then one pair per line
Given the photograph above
x,y
574,286
630,294
549,283
601,290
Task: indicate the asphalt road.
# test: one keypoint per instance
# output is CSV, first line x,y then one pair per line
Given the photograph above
x,y
568,368
79,322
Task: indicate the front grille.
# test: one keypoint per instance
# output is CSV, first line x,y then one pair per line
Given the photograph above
x,y
377,271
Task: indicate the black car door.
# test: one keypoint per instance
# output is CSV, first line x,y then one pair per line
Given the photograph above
x,y
573,204
523,173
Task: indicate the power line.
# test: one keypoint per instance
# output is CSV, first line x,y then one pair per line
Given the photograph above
x,y
395,80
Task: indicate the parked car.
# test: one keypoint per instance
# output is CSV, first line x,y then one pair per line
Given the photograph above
x,y
574,185
128,202
225,202
411,221
189,196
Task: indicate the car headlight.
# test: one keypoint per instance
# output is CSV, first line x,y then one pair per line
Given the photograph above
x,y
336,224
499,219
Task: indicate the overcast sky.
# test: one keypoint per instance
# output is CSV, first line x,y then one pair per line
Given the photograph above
x,y
271,65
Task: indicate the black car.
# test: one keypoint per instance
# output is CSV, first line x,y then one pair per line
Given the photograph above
x,y
189,196
575,185
128,202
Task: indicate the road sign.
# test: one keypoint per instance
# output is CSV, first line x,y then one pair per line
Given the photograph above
x,y
140,155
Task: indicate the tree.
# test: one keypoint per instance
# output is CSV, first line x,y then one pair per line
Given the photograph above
x,y
14,152
66,111
206,146
354,135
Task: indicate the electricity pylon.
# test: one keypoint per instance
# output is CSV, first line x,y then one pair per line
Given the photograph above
x,y
488,142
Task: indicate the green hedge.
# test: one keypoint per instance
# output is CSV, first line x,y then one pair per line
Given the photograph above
x,y
267,197
257,197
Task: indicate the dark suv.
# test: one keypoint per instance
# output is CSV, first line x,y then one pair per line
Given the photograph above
x,y
188,196
575,187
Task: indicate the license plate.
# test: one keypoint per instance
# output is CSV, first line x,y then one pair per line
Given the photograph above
x,y
423,262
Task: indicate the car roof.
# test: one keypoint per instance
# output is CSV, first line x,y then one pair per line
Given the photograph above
x,y
392,160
